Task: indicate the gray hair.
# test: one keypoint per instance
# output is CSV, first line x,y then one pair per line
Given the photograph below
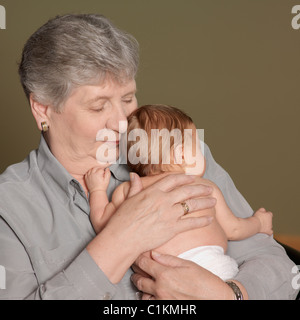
x,y
73,50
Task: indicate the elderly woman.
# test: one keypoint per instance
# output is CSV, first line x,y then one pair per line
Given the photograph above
x,y
78,72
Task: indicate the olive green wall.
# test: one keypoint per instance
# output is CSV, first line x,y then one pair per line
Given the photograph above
x,y
234,66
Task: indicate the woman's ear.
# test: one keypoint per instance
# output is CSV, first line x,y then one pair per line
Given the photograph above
x,y
39,111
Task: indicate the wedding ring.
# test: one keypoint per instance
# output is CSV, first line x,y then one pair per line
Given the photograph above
x,y
185,207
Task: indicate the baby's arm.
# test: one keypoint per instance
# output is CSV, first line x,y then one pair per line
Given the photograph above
x,y
97,180
118,198
240,228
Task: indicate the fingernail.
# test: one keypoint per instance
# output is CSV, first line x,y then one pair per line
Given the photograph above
x,y
139,295
155,254
132,176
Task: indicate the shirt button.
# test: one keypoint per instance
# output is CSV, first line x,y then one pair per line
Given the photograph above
x,y
107,296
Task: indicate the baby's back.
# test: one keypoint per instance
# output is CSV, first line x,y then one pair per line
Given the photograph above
x,y
212,234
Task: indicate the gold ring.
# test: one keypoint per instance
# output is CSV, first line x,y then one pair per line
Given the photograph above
x,y
185,207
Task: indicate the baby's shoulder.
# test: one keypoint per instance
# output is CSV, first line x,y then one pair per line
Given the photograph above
x,y
199,179
120,193
207,182
123,188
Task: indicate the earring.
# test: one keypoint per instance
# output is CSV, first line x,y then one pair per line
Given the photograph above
x,y
45,126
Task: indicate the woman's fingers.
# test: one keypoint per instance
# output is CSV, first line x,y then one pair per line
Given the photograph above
x,y
148,265
192,223
154,213
155,269
179,189
172,181
152,268
176,189
135,184
147,296
166,259
185,192
201,203
143,284
194,205
178,279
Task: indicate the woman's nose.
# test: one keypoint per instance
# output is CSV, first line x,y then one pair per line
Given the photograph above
x,y
118,121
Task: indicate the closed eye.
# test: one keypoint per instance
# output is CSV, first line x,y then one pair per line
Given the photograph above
x,y
97,109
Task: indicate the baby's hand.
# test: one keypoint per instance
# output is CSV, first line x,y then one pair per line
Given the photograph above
x,y
265,217
97,179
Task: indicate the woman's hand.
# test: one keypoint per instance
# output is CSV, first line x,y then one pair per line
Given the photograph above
x,y
154,214
146,220
172,278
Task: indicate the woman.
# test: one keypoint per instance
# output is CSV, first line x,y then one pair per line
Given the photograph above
x,y
78,72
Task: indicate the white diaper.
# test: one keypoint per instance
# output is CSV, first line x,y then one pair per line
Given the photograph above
x,y
214,260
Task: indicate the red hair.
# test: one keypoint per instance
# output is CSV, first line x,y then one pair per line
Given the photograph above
x,y
156,116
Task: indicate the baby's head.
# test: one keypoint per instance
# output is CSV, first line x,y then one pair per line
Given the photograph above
x,y
161,139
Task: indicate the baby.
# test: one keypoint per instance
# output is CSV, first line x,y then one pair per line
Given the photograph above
x,y
205,246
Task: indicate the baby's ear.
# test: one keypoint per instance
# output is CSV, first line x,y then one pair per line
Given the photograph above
x,y
178,154
194,163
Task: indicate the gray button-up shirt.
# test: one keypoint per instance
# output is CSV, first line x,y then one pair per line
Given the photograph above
x,y
45,227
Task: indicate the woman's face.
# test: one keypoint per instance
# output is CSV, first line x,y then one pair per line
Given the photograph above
x,y
92,118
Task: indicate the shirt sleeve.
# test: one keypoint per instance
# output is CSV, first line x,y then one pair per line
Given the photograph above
x,y
265,270
264,267
82,279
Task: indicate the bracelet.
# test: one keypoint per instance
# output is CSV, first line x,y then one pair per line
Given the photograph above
x,y
236,290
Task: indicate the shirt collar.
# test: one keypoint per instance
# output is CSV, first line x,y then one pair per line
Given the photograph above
x,y
120,171
52,170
